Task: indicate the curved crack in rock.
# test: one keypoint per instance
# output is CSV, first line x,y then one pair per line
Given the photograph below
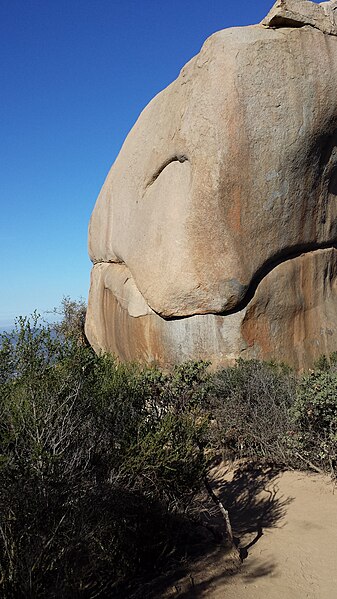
x,y
121,283
272,263
178,158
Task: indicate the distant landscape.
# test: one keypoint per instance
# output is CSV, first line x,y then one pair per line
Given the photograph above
x,y
7,328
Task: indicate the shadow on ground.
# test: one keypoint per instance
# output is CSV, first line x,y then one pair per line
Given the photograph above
x,y
251,495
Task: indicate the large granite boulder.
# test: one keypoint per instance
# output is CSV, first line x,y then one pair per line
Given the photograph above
x,y
214,234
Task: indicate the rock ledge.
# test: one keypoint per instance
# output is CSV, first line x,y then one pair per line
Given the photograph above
x,y
298,13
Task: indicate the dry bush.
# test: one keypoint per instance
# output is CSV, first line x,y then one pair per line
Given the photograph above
x,y
250,404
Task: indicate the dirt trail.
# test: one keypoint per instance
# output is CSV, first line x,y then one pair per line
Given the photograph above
x,y
296,557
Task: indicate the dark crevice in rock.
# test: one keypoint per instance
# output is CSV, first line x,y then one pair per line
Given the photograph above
x,y
279,22
270,264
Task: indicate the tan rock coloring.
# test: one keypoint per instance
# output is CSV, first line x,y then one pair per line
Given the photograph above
x,y
214,233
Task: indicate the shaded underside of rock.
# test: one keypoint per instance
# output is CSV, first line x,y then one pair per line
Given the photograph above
x,y
213,235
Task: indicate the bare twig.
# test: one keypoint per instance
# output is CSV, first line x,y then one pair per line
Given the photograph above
x,y
310,464
223,511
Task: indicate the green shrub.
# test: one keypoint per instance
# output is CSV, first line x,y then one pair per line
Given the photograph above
x,y
262,411
327,363
315,416
99,464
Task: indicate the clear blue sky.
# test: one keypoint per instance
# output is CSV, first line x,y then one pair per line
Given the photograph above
x,y
74,76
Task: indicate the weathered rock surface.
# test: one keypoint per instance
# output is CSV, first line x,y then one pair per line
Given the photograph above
x,y
297,13
213,235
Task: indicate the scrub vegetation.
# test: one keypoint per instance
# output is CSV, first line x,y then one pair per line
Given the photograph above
x,y
101,463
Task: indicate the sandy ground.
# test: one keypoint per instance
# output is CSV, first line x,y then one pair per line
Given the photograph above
x,y
295,558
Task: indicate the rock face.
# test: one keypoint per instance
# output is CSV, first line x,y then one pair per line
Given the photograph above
x,y
214,234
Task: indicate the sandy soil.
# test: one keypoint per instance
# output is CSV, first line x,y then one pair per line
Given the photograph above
x,y
295,558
